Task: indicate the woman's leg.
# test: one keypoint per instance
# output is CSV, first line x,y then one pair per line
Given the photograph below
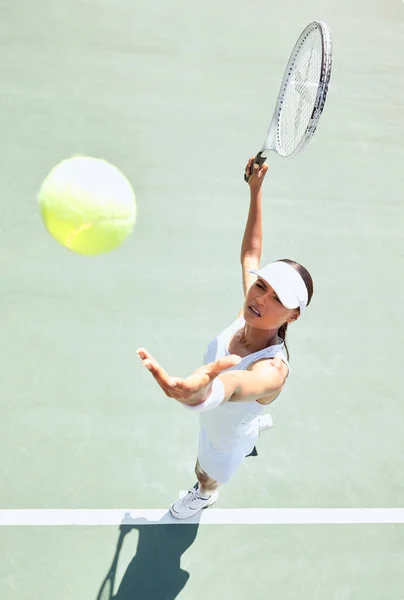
x,y
196,499
207,485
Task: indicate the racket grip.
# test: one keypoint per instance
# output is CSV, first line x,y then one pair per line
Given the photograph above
x,y
258,160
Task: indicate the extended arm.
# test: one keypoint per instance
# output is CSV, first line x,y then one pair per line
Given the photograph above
x,y
264,381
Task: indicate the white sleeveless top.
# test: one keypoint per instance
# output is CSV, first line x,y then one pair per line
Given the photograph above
x,y
231,423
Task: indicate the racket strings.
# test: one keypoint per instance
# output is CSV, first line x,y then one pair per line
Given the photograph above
x,y
300,94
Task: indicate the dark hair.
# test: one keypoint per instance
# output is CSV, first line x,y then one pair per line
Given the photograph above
x,y
305,275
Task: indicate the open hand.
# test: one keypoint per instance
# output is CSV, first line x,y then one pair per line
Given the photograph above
x,y
193,389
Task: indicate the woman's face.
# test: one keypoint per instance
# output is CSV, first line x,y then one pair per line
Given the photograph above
x,y
264,310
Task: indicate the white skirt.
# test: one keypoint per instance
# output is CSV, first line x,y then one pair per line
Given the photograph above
x,y
221,465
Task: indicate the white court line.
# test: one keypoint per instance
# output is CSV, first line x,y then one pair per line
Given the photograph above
x,y
211,516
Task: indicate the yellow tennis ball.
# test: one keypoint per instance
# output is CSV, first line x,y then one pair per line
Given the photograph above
x,y
87,205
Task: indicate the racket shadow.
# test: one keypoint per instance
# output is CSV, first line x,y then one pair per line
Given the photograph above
x,y
155,572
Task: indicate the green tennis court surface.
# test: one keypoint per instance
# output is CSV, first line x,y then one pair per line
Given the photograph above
x,y
176,94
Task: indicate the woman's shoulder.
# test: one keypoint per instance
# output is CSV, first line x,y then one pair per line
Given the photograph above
x,y
268,354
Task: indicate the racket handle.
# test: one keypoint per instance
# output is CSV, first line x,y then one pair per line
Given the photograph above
x,y
258,160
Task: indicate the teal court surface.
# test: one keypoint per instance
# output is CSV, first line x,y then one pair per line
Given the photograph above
x,y
177,95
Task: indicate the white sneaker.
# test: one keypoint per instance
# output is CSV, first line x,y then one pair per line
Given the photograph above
x,y
265,422
191,503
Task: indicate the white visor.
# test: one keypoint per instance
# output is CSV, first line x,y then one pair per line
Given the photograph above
x,y
287,284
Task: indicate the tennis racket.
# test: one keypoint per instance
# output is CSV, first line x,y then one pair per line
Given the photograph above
x,y
302,94
107,588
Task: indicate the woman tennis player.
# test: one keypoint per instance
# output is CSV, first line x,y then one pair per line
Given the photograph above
x,y
245,366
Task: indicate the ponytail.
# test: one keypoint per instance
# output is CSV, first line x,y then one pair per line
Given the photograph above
x,y
305,275
282,334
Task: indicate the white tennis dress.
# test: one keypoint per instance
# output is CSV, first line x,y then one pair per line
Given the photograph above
x,y
229,432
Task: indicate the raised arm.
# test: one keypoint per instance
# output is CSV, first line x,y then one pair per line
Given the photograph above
x,y
251,247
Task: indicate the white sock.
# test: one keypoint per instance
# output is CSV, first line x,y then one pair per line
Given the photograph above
x,y
204,493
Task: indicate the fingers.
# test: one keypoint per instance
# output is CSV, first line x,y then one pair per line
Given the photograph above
x,y
260,171
264,169
147,359
143,353
248,167
159,374
255,169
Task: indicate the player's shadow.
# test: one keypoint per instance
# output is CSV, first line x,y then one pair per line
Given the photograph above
x,y
155,572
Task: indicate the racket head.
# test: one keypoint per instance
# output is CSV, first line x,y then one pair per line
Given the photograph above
x,y
302,94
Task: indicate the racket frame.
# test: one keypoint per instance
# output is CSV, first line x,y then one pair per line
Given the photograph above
x,y
271,142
